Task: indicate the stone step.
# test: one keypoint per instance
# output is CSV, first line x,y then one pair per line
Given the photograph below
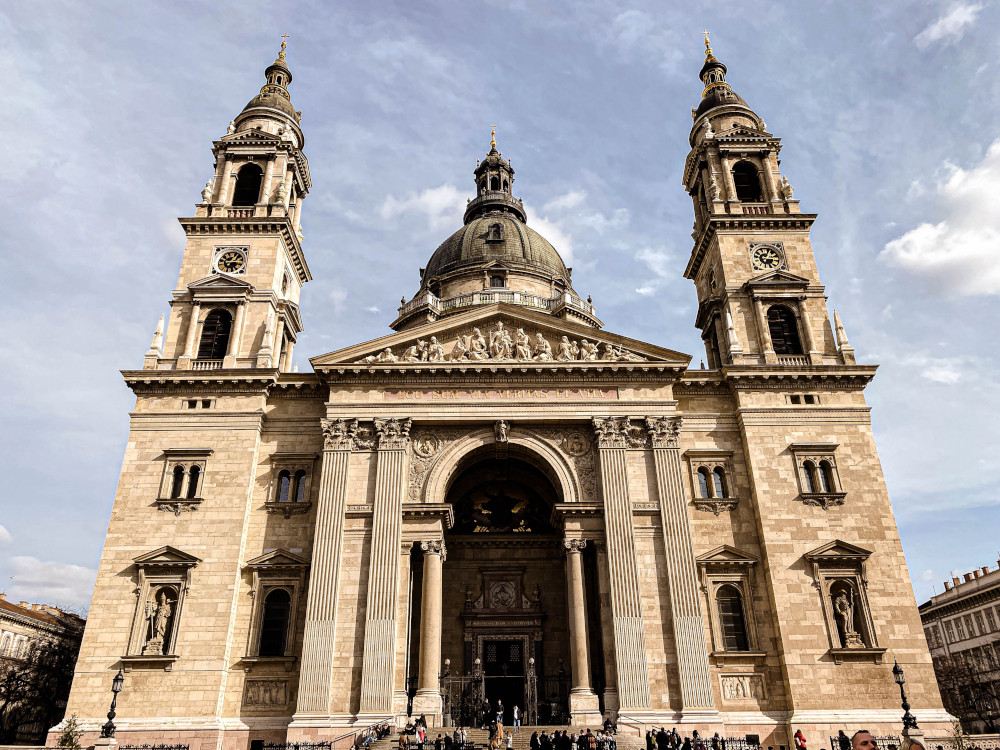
x,y
522,738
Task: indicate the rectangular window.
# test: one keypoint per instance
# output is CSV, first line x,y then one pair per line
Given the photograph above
x,y
949,632
980,625
795,399
990,622
970,626
959,629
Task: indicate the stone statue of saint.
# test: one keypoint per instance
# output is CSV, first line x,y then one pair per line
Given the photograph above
x,y
786,188
500,342
477,346
565,350
461,349
206,193
843,607
610,353
709,133
159,612
502,429
588,351
523,344
435,352
281,192
543,349
232,127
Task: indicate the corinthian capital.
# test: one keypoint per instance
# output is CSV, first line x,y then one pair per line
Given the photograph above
x,y
574,545
393,433
434,547
338,434
618,432
663,431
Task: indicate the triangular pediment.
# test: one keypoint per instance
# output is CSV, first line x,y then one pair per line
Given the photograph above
x,y
278,558
725,555
250,135
778,278
166,557
500,326
838,550
220,281
740,133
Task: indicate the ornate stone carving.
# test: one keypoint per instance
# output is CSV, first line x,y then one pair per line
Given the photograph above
x,y
787,191
206,192
393,434
434,547
339,434
266,693
737,687
576,444
663,431
715,504
178,505
502,430
618,432
574,545
824,500
426,446
159,612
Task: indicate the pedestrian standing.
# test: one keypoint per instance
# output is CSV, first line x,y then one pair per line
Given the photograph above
x,y
800,740
517,718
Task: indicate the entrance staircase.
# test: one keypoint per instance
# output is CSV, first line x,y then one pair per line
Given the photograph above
x,y
522,738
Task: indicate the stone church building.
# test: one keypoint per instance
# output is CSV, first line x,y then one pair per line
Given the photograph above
x,y
500,499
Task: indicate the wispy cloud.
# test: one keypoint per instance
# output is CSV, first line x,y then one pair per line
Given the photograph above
x,y
663,266
51,582
5,536
958,253
950,27
440,205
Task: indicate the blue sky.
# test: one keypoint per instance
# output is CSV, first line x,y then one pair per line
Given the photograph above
x,y
890,119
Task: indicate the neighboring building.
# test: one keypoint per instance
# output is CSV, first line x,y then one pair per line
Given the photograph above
x,y
38,649
500,495
962,626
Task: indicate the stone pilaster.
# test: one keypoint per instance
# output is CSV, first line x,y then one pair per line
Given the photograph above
x,y
428,698
626,601
316,676
583,705
685,603
377,673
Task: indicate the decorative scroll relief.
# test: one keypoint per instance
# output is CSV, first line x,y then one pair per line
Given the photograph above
x,y
663,431
393,434
266,693
619,432
434,547
578,447
501,345
574,545
739,687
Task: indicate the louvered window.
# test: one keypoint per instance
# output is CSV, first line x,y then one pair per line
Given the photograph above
x,y
784,332
731,620
215,335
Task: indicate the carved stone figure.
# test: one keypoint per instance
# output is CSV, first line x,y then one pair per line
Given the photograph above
x,y
281,192
709,133
501,344
477,346
413,353
502,430
609,353
461,349
435,353
386,355
565,350
543,349
843,607
206,193
713,190
159,613
786,188
232,127
574,350
588,351
523,344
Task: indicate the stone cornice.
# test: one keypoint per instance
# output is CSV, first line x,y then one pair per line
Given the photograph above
x,y
266,382
451,374
742,223
764,377
224,225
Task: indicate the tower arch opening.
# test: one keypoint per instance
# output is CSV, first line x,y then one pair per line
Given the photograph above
x,y
215,335
782,326
248,181
747,182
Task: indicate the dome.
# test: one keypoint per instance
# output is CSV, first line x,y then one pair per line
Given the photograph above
x,y
478,243
718,97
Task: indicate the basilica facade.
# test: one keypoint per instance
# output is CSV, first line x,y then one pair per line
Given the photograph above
x,y
500,499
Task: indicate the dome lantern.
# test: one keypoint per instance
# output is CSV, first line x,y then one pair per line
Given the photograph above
x,y
494,186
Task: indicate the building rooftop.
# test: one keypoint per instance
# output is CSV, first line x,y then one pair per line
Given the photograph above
x,y
44,613
975,582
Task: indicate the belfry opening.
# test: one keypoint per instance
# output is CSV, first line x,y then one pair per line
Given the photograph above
x,y
505,621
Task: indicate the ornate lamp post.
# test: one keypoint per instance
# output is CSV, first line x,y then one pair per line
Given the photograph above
x,y
108,730
909,720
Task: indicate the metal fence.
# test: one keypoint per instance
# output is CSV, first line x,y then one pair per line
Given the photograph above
x,y
154,747
739,743
297,745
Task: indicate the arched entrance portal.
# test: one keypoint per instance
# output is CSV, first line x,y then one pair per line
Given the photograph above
x,y
505,633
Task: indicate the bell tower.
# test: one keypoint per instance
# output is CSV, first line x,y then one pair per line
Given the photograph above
x,y
759,293
236,301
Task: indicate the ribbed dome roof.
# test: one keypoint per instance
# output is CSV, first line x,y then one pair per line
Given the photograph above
x,y
520,246
718,97
272,101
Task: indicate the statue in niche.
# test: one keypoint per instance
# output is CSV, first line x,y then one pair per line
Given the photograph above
x,y
523,344
843,608
158,613
502,429
435,352
543,349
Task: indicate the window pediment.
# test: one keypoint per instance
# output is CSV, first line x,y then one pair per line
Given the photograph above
x,y
723,556
774,280
838,551
275,560
166,557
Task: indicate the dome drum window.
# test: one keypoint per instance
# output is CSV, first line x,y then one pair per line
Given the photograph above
x,y
711,480
816,472
183,479
290,492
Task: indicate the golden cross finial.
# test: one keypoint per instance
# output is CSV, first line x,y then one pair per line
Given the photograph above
x,y
281,55
708,47
493,136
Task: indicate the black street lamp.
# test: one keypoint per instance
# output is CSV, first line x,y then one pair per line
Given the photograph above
x,y
909,720
108,730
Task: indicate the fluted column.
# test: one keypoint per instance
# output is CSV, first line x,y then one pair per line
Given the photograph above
x,y
192,331
765,333
428,697
815,356
626,602
685,603
377,673
316,675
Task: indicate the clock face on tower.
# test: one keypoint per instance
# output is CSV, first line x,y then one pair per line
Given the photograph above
x,y
766,258
231,261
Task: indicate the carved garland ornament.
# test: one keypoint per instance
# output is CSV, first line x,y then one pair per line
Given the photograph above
x,y
501,346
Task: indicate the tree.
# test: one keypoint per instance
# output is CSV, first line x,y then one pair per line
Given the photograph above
x,y
970,687
71,734
34,689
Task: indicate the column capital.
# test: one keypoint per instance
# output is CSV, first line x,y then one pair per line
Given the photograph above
x,y
339,434
435,547
618,432
663,431
393,434
574,546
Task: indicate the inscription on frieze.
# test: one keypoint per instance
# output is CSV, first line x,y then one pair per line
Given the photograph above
x,y
501,394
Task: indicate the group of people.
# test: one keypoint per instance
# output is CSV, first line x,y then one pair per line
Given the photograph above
x,y
603,739
372,733
661,739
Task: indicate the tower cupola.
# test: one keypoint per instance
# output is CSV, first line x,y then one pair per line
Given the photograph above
x,y
494,186
717,90
271,110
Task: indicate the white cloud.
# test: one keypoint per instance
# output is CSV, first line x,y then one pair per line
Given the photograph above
x,y
950,27
551,230
5,537
50,582
572,199
661,263
373,309
958,253
443,206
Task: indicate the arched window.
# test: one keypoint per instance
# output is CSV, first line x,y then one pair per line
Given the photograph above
x,y
809,478
215,335
300,486
720,484
194,476
703,490
495,233
746,182
732,622
274,623
784,331
497,281
5,645
494,183
284,486
826,482
177,483
247,191
506,185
